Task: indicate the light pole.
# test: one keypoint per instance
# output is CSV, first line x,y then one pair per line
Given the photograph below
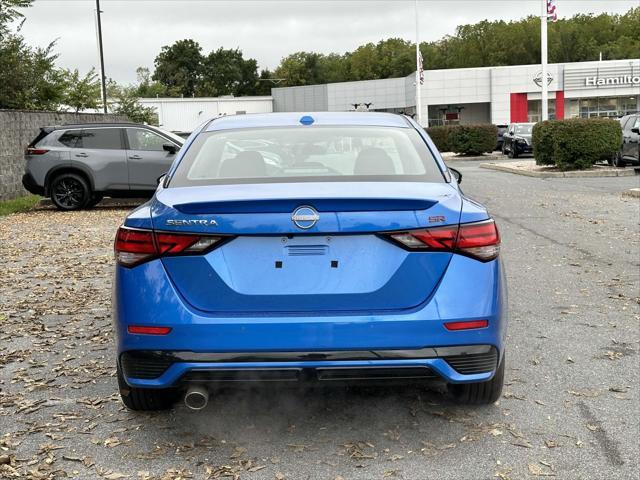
x,y
418,68
543,48
103,79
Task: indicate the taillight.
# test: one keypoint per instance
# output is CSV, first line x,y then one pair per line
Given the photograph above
x,y
35,151
135,246
479,240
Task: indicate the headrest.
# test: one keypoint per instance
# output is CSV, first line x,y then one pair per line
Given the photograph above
x,y
244,165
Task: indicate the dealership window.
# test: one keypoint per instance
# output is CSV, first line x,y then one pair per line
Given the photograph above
x,y
601,107
535,110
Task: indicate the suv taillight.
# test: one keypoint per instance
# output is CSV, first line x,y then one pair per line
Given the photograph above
x,y
135,246
480,240
35,151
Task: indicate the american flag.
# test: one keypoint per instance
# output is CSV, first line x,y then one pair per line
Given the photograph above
x,y
552,14
421,70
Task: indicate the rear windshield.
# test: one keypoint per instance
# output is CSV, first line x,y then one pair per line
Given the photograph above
x,y
307,154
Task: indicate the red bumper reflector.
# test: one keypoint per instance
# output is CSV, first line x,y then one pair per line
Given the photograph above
x,y
137,329
466,325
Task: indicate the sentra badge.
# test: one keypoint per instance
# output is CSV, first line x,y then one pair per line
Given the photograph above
x,y
184,223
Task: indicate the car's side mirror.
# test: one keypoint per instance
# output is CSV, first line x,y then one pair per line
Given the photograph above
x,y
511,132
635,129
170,147
456,174
161,178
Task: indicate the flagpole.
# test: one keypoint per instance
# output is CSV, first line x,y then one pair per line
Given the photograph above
x,y
418,66
543,48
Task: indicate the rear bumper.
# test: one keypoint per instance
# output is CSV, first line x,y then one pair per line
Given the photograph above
x,y
310,343
453,364
29,183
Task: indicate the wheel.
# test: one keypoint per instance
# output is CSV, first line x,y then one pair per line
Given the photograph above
x,y
618,161
94,200
69,191
481,393
145,399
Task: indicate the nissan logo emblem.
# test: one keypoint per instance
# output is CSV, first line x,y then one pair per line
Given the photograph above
x,y
305,217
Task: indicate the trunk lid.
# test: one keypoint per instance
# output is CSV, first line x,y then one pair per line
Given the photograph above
x,y
339,264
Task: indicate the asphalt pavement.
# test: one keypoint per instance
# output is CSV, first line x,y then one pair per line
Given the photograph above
x,y
570,408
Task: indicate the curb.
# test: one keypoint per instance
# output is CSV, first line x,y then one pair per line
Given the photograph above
x,y
489,157
632,192
605,172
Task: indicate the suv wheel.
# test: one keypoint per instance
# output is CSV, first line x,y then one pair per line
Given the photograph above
x,y
481,393
69,191
145,399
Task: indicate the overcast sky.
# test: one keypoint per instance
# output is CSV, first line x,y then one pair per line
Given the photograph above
x,y
135,30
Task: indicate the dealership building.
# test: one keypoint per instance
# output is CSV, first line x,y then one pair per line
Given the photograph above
x,y
496,95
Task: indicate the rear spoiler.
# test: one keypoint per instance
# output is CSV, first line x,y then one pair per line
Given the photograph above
x,y
44,131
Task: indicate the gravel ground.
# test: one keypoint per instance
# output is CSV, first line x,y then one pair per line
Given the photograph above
x,y
570,409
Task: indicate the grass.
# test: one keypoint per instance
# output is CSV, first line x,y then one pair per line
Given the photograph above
x,y
22,204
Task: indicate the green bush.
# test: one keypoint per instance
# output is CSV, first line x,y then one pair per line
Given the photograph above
x,y
473,139
440,136
542,142
464,139
577,143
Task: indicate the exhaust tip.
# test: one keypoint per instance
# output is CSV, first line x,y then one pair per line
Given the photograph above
x,y
196,397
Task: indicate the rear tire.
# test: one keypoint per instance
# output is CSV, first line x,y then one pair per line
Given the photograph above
x,y
145,399
69,191
481,393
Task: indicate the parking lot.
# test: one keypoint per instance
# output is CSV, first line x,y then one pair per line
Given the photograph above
x,y
570,407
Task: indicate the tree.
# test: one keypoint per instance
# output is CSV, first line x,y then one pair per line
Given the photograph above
x,y
149,88
226,72
265,82
29,79
179,67
125,101
82,92
300,68
9,12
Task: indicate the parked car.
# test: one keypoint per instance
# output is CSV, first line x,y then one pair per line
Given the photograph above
x,y
630,146
362,261
77,165
517,140
502,129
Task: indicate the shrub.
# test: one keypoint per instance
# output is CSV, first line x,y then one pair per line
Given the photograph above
x,y
440,136
473,139
542,142
577,143
464,139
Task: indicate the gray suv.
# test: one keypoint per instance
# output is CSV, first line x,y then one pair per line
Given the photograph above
x,y
77,165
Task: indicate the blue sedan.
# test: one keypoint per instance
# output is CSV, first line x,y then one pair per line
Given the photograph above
x,y
320,247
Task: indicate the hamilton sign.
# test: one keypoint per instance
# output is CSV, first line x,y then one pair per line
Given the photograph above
x,y
621,80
